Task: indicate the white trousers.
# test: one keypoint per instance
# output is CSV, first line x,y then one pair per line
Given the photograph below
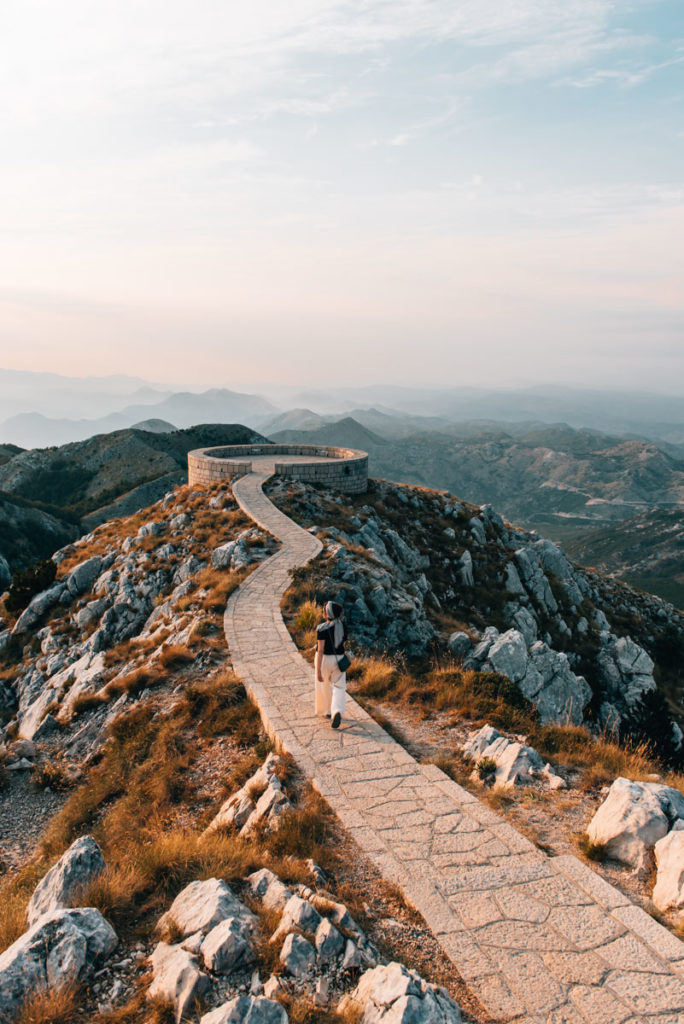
x,y
331,694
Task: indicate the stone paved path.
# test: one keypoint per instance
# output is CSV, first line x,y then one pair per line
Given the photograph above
x,y
539,940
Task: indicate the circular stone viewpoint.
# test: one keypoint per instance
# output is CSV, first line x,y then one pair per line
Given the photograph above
x,y
345,469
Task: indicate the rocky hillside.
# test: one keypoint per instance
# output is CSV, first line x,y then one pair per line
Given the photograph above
x,y
646,551
157,860
422,572
563,482
88,482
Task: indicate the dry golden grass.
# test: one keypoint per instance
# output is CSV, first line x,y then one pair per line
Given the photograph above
x,y
50,1006
174,655
481,698
138,1010
134,682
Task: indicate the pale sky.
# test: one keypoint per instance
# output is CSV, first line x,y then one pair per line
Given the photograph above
x,y
214,193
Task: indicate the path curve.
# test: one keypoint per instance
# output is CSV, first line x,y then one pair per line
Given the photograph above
x,y
538,940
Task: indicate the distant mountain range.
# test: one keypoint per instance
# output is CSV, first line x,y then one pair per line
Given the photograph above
x,y
42,409
34,430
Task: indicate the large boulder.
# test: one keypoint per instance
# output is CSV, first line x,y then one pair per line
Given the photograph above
x,y
247,1010
392,994
201,906
81,579
559,694
63,947
630,820
62,883
177,979
668,893
508,655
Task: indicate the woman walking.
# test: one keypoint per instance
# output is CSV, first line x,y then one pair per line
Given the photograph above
x,y
331,681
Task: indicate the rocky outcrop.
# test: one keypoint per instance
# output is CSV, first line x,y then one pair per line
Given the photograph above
x,y
395,995
626,672
66,879
542,674
261,800
514,763
201,906
62,947
633,817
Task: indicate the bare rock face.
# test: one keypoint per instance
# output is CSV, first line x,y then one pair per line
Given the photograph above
x,y
543,675
247,1010
394,995
61,947
81,862
668,893
633,817
203,905
177,979
82,578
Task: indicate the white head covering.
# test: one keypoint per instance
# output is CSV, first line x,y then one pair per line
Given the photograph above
x,y
338,628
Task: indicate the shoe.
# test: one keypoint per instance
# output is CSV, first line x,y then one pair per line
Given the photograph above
x,y
337,718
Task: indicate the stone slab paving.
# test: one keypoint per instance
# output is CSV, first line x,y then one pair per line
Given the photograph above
x,y
539,940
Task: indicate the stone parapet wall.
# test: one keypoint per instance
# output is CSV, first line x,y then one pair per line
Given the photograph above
x,y
345,469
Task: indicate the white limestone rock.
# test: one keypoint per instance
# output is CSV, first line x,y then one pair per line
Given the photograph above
x,y
300,914
177,979
234,813
626,671
329,943
508,655
247,1010
516,763
221,557
629,821
392,994
267,887
5,574
668,893
201,906
297,956
228,945
83,576
74,869
63,947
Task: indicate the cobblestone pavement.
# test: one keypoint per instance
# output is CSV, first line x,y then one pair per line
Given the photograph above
x,y
539,940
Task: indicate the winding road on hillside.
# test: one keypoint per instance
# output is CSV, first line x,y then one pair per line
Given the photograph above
x,y
538,940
